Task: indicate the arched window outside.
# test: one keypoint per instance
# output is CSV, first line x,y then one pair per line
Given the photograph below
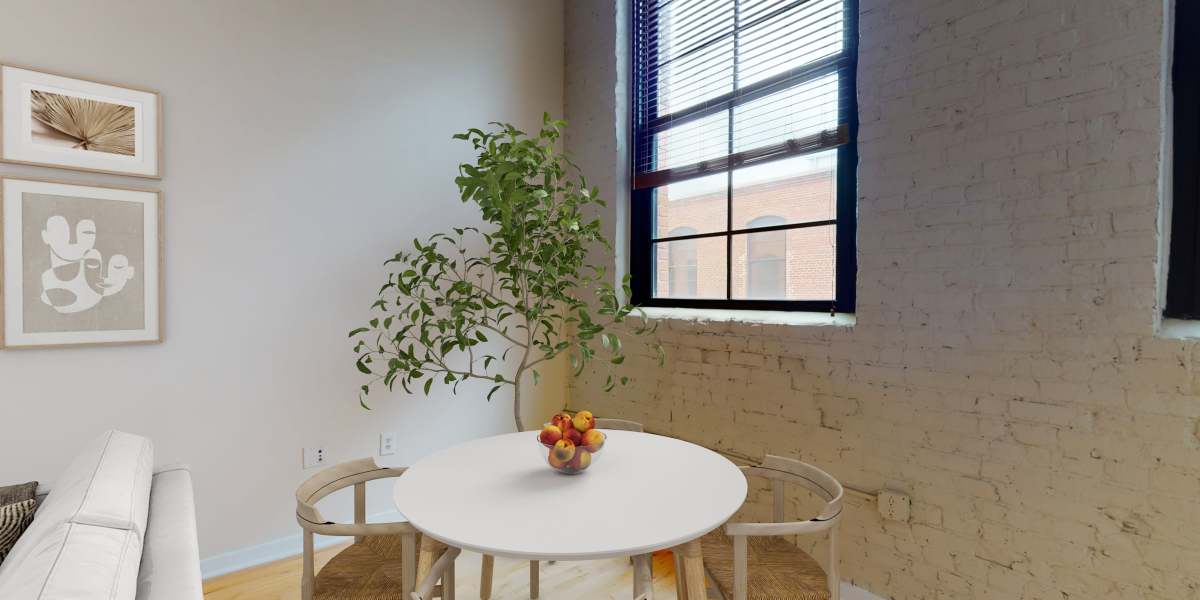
x,y
766,260
681,265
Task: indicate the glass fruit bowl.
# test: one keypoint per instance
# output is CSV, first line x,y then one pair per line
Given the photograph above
x,y
568,458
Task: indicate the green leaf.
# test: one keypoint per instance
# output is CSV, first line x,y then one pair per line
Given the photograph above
x,y
358,331
428,384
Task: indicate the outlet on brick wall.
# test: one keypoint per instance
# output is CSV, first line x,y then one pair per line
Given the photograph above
x,y
895,506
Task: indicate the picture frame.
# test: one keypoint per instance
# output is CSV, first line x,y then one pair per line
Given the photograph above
x,y
53,120
80,264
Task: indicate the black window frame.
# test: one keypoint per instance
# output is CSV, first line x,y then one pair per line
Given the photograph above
x,y
1183,264
642,240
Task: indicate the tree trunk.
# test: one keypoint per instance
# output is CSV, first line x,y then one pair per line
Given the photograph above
x,y
517,403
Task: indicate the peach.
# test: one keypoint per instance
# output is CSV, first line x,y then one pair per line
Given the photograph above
x,y
562,420
593,440
550,435
562,453
555,462
583,420
581,460
574,435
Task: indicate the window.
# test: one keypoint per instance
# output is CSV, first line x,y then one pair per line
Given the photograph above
x,y
766,260
681,264
1183,270
744,121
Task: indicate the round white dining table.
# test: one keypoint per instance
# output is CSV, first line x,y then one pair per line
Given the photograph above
x,y
643,492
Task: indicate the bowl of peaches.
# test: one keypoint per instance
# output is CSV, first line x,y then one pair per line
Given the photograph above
x,y
571,443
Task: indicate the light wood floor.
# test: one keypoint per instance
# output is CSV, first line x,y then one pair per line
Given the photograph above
x,y
594,580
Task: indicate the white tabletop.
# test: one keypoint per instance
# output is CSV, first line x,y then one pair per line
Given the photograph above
x,y
498,496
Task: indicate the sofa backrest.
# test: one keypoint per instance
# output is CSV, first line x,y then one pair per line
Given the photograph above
x,y
86,538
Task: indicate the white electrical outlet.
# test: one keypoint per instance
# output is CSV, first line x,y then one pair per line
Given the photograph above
x,y
896,506
387,443
314,457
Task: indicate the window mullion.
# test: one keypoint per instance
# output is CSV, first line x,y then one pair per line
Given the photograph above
x,y
737,18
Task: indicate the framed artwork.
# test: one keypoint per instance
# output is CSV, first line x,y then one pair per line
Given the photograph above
x,y
57,121
81,264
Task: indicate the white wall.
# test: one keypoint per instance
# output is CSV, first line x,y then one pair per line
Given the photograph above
x,y
306,141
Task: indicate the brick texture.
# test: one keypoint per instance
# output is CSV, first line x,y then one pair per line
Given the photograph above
x,y
1004,368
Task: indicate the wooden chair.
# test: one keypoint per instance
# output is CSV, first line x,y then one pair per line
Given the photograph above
x,y
619,424
489,562
748,561
381,564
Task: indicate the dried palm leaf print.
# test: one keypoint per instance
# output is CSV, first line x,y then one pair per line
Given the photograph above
x,y
90,124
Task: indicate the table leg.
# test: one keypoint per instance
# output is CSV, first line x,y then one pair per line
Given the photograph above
x,y
431,549
485,577
643,579
680,579
693,570
535,579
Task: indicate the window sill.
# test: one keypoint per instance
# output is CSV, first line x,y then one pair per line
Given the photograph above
x,y
1179,329
763,317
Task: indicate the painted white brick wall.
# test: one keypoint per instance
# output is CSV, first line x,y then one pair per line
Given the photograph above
x,y
1004,368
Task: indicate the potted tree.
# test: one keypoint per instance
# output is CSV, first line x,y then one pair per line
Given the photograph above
x,y
492,303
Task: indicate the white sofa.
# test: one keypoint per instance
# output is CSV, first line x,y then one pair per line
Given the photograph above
x,y
111,528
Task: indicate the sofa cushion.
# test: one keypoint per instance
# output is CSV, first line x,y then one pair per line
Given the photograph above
x,y
108,484
74,561
14,519
103,498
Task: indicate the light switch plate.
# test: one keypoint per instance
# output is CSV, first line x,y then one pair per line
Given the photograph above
x,y
387,443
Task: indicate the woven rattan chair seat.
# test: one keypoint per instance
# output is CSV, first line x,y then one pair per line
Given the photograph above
x,y
367,570
778,570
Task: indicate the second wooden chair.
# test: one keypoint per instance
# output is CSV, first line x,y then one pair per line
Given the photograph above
x,y
749,561
369,568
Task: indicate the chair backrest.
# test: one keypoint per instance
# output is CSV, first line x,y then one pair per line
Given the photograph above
x,y
790,470
333,479
619,424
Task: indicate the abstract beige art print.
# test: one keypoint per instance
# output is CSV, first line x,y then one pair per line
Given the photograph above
x,y
81,264
53,120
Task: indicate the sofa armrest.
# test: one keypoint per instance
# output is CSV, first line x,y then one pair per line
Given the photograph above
x,y
170,568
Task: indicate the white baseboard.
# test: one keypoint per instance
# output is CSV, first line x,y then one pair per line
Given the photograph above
x,y
853,592
284,547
